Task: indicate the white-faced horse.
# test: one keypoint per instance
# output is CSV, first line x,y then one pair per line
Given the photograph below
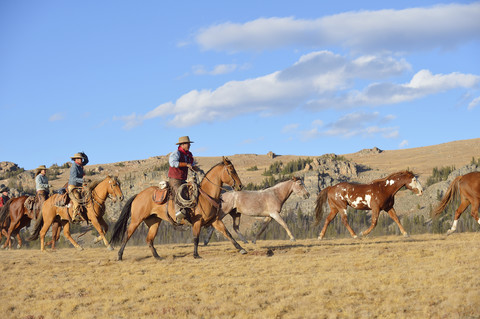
x,y
375,196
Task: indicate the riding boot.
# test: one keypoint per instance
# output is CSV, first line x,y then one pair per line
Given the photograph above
x,y
180,215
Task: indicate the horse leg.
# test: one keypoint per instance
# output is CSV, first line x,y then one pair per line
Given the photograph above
x,y
393,215
463,205
96,223
66,233
13,224
130,230
220,226
279,219
47,221
236,226
153,223
210,231
375,214
266,221
347,225
330,217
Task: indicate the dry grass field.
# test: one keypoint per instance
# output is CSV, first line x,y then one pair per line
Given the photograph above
x,y
424,276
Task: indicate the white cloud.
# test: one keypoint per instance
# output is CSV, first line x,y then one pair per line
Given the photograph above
x,y
318,80
474,103
409,29
403,144
56,117
217,70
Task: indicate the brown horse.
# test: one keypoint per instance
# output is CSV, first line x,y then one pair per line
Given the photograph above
x,y
142,208
13,217
265,203
376,196
99,192
468,186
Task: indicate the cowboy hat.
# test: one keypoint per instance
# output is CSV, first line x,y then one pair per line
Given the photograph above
x,y
41,167
184,139
77,155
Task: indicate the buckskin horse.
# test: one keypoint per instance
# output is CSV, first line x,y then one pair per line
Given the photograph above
x,y
142,208
13,217
98,192
468,187
376,196
263,203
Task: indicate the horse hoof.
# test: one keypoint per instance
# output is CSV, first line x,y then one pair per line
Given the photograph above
x,y
243,252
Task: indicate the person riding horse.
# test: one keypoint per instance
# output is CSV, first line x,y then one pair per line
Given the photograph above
x,y
3,195
75,185
180,161
42,187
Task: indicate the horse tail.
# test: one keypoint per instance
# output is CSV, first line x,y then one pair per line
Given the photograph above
x,y
449,196
321,199
38,226
120,227
4,212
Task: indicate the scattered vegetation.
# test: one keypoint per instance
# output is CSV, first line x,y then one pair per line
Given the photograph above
x,y
439,174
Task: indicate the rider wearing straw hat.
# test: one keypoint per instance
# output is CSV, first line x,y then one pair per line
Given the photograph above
x,y
75,184
180,161
41,185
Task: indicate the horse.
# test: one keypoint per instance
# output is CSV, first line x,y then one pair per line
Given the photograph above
x,y
264,203
376,196
99,191
142,208
468,186
13,217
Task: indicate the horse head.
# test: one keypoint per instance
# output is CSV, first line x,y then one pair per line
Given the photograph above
x,y
413,184
299,188
114,189
230,176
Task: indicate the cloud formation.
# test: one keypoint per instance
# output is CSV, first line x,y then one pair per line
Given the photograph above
x,y
441,26
317,81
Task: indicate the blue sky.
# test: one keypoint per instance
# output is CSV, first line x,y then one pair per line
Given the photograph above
x,y
122,80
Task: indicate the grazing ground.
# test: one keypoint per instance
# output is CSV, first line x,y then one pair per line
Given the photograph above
x,y
424,276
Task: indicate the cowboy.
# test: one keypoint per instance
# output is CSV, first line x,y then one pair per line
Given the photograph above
x,y
180,161
4,195
75,184
42,187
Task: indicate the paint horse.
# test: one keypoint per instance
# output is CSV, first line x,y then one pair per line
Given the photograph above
x,y
97,194
14,216
376,196
468,187
143,208
264,203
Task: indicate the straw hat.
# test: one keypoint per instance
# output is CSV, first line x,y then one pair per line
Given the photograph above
x,y
40,168
184,139
77,155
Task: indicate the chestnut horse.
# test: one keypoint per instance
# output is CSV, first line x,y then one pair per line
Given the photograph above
x,y
376,196
468,186
98,192
142,208
13,217
266,203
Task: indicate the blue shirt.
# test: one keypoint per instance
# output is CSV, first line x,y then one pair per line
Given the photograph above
x,y
76,175
41,182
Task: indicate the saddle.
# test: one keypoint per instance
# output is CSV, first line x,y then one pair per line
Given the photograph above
x,y
29,203
160,196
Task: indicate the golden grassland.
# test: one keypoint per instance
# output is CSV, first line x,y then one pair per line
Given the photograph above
x,y
424,276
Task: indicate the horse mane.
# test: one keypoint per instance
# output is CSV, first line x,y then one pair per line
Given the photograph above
x,y
393,175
